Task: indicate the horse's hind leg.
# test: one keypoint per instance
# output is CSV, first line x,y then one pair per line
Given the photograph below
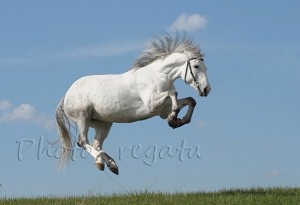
x,y
83,127
101,131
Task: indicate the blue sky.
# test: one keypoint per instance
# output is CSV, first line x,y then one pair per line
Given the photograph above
x,y
244,134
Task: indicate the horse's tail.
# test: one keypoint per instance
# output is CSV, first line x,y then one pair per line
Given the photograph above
x,y
63,127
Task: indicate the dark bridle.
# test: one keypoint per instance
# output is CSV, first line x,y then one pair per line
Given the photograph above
x,y
189,67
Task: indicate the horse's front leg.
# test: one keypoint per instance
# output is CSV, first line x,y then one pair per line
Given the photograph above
x,y
191,103
175,108
175,122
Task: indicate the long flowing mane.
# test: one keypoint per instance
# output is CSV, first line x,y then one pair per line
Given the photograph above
x,y
166,45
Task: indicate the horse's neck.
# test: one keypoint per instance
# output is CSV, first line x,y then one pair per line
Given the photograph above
x,y
169,67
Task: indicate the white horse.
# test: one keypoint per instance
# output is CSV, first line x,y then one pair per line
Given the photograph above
x,y
145,91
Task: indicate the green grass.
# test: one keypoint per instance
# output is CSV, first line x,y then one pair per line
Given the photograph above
x,y
272,196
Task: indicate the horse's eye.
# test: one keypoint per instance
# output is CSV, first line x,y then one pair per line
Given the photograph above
x,y
202,59
196,66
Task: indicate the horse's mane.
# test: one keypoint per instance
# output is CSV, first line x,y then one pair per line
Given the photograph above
x,y
166,45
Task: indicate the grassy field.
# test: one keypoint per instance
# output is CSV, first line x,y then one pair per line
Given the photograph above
x,y
257,196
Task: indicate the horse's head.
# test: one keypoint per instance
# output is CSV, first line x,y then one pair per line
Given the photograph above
x,y
180,53
195,75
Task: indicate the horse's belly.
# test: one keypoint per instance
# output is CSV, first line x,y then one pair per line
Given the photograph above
x,y
122,114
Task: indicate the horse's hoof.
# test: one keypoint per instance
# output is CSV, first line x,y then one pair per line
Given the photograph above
x,y
176,123
111,164
100,166
114,169
173,123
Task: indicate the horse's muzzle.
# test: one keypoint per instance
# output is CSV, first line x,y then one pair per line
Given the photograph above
x,y
205,92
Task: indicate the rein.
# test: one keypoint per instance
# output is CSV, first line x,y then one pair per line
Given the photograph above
x,y
189,67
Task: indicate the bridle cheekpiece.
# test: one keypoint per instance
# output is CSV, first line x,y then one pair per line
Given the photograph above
x,y
189,67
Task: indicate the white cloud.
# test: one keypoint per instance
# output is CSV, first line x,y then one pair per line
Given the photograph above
x,y
189,23
24,112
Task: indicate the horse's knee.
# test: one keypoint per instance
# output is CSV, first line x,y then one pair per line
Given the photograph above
x,y
192,101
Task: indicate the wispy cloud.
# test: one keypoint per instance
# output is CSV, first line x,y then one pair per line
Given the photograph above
x,y
4,105
24,112
273,173
189,23
100,50
201,124
15,60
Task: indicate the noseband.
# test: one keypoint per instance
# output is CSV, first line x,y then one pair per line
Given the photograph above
x,y
189,67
